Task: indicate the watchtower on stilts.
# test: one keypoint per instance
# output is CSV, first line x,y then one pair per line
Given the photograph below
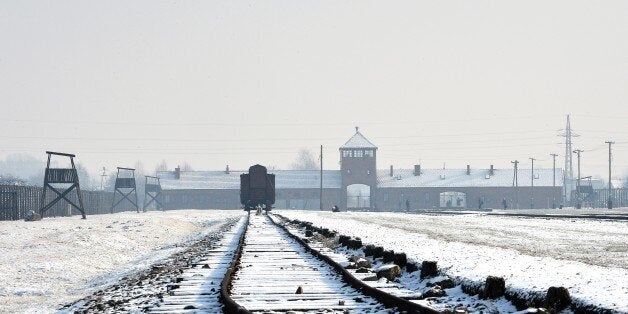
x,y
125,186
61,176
152,193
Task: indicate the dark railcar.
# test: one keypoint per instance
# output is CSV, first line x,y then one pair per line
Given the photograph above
x,y
257,188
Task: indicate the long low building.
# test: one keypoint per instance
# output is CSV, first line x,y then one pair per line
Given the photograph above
x,y
360,185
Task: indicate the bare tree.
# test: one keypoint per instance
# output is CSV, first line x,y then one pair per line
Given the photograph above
x,y
110,181
162,166
139,181
84,178
9,179
24,167
185,166
305,161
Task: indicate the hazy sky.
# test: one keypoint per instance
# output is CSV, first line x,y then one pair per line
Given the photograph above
x,y
243,82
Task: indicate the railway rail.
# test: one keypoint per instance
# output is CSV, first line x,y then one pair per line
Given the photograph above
x,y
278,274
198,288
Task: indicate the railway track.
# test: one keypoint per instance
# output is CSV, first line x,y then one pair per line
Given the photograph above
x,y
198,288
278,274
253,266
187,281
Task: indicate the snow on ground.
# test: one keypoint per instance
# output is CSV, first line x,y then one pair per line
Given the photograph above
x,y
57,260
566,211
588,257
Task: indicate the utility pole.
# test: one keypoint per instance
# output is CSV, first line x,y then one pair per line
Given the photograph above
x,y
554,181
578,203
610,187
515,183
321,187
532,185
102,178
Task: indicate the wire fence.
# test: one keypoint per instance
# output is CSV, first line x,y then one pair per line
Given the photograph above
x,y
598,198
16,201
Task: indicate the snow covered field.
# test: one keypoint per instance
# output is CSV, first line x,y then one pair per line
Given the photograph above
x,y
47,263
588,257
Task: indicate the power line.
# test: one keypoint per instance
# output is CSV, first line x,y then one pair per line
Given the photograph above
x,y
296,123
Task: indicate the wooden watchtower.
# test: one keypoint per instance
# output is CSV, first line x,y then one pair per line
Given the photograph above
x,y
61,176
125,186
152,193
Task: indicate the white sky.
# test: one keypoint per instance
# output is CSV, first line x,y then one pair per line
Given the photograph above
x,y
234,82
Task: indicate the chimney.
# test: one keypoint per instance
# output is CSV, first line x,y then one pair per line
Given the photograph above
x,y
417,170
468,169
491,171
391,171
227,169
177,173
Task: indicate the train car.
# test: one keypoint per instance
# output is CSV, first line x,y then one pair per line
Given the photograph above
x,y
257,188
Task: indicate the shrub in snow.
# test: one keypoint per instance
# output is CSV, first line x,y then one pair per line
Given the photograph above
x,y
378,251
494,287
401,259
429,269
389,256
557,298
354,244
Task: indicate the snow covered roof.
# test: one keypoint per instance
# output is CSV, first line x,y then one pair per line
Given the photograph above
x,y
220,180
310,179
459,178
358,141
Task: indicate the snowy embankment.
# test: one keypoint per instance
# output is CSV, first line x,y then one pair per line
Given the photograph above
x,y
588,257
57,260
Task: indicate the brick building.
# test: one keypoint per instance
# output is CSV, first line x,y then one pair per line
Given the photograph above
x,y
360,185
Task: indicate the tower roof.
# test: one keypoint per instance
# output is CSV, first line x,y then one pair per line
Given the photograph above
x,y
358,141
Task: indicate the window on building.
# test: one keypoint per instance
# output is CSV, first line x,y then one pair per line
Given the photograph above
x,y
346,153
369,153
358,153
